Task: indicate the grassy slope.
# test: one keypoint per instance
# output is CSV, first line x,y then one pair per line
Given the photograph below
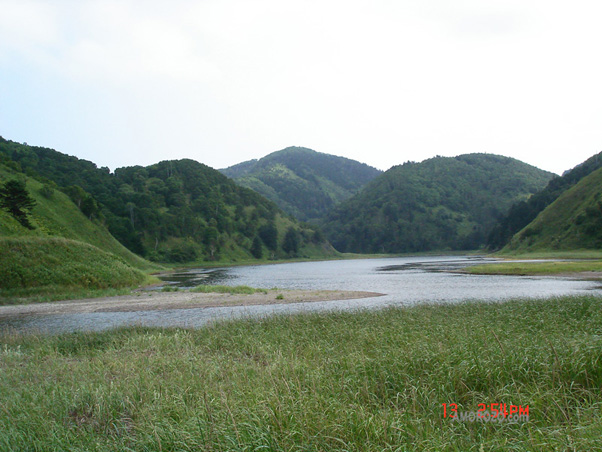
x,y
66,255
565,224
568,228
30,265
58,216
371,381
523,213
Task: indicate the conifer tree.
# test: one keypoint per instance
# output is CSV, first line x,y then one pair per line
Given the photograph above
x,y
15,199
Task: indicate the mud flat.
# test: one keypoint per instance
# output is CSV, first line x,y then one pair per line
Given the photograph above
x,y
157,301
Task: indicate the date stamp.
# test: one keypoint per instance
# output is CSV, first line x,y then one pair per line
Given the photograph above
x,y
487,412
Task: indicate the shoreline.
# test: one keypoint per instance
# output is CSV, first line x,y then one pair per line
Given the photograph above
x,y
340,257
159,301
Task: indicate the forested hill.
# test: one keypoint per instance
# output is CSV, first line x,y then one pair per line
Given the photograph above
x,y
303,182
439,204
173,211
524,212
55,215
572,221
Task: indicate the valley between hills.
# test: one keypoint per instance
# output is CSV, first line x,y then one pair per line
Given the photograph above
x,y
89,229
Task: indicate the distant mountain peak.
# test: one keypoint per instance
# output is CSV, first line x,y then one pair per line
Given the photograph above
x,y
303,182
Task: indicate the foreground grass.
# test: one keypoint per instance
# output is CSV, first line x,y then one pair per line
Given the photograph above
x,y
369,381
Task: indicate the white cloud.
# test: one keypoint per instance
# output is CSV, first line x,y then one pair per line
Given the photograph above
x,y
381,81
26,27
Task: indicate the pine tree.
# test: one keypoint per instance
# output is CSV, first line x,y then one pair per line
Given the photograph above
x,y
15,199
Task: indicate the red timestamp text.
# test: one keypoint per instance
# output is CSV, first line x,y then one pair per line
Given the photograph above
x,y
489,410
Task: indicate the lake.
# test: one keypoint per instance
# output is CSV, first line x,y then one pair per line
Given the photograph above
x,y
405,281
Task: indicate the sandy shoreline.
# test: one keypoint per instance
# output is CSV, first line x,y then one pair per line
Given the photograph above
x,y
158,301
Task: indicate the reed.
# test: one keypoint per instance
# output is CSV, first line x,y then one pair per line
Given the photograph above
x,y
360,381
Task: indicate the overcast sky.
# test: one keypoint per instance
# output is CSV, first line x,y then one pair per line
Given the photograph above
x,y
128,82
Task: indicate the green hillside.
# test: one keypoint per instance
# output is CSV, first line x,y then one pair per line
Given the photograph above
x,y
444,203
303,182
59,251
33,265
55,215
524,212
174,211
572,222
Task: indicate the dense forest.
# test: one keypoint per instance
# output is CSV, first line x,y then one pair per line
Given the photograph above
x,y
173,211
524,212
439,204
303,182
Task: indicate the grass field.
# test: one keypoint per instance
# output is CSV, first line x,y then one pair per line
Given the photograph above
x,y
555,263
367,381
537,268
46,267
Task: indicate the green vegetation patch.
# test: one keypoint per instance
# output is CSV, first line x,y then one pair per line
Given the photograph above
x,y
30,264
228,289
369,381
537,268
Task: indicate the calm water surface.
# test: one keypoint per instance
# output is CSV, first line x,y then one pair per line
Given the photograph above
x,y
404,281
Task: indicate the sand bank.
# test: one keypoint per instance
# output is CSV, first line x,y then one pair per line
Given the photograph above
x,y
153,301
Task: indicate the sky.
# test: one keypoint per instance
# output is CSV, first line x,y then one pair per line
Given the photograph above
x,y
132,82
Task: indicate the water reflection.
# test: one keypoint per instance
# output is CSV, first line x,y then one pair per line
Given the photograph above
x,y
192,277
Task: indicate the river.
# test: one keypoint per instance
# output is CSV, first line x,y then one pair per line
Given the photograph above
x,y
404,281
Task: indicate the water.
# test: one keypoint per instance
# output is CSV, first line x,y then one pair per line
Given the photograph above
x,y
404,281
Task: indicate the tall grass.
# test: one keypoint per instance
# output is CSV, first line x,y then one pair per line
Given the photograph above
x,y
30,265
369,381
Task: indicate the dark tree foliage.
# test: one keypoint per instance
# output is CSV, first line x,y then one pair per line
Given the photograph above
x,y
86,202
16,200
524,212
256,249
291,241
440,204
269,235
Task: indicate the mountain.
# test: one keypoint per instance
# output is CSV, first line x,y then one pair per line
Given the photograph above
x,y
304,183
439,204
572,221
524,212
173,211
